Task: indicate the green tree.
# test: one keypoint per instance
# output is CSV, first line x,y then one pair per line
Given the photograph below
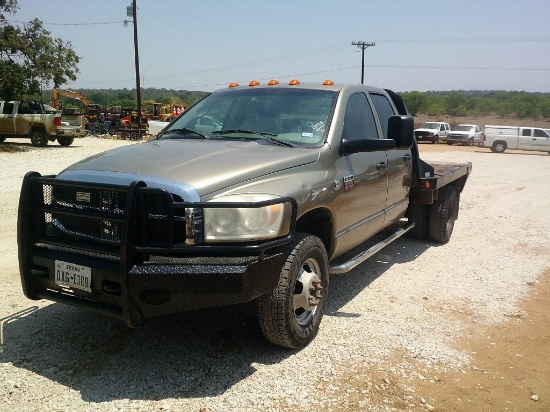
x,y
30,59
435,106
415,101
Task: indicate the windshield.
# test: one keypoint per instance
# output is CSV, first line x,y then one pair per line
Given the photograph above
x,y
430,126
463,128
291,116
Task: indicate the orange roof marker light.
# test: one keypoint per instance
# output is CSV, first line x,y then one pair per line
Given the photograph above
x,y
234,84
273,82
254,83
328,83
294,82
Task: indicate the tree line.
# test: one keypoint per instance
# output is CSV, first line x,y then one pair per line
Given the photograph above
x,y
127,97
504,104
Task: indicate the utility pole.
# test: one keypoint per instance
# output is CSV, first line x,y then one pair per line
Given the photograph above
x,y
133,13
362,45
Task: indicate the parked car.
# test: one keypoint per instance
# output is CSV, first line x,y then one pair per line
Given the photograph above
x,y
434,132
465,134
500,138
39,122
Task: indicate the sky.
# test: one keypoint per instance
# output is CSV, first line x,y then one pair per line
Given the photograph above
x,y
419,45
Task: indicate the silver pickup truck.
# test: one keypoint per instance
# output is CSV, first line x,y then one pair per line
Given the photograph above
x,y
284,185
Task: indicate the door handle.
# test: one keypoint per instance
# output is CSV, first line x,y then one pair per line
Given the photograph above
x,y
381,166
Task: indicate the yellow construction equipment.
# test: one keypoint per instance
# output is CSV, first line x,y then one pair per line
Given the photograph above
x,y
68,93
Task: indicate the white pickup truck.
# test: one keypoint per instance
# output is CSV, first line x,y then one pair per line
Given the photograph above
x,y
500,138
434,132
36,121
465,134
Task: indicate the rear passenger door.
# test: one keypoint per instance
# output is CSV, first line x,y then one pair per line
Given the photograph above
x,y
399,163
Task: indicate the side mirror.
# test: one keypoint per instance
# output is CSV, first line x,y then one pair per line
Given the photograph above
x,y
367,145
401,129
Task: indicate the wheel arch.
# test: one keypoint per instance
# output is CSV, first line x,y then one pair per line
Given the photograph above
x,y
318,222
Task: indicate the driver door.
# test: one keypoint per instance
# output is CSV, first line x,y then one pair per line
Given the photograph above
x,y
363,178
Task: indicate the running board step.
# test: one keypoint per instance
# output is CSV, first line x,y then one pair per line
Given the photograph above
x,y
361,257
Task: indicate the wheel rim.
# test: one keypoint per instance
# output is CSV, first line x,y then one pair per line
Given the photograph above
x,y
499,147
307,292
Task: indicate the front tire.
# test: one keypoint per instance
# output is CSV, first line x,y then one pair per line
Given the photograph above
x,y
65,141
39,138
443,213
290,315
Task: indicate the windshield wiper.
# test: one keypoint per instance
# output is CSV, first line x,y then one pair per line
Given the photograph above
x,y
270,137
279,141
185,131
244,131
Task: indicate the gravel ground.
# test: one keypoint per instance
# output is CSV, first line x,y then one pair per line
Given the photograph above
x,y
400,309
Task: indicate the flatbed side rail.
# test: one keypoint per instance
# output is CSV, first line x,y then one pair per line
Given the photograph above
x,y
443,174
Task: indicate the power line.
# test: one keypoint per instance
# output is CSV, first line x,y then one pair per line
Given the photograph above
x,y
70,24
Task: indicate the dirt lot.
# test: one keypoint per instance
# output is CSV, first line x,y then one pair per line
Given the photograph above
x,y
404,332
511,362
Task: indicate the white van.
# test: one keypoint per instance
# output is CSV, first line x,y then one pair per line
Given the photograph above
x,y
500,138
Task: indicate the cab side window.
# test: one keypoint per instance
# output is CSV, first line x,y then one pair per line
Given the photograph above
x,y
384,110
359,120
540,133
526,132
8,108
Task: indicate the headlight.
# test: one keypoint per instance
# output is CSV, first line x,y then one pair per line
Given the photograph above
x,y
234,224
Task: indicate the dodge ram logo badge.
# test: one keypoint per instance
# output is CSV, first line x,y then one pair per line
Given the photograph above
x,y
83,197
349,182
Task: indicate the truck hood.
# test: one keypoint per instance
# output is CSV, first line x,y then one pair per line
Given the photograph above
x,y
206,165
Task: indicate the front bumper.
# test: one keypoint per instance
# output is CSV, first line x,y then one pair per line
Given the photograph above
x,y
151,289
421,137
70,132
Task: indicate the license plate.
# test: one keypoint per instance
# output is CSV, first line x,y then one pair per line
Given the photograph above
x,y
73,276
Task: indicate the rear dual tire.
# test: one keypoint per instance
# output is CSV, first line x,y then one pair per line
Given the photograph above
x,y
435,221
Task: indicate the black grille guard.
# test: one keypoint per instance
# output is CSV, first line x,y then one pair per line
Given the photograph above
x,y
120,220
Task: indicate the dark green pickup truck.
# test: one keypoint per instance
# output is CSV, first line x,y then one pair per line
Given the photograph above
x,y
257,192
